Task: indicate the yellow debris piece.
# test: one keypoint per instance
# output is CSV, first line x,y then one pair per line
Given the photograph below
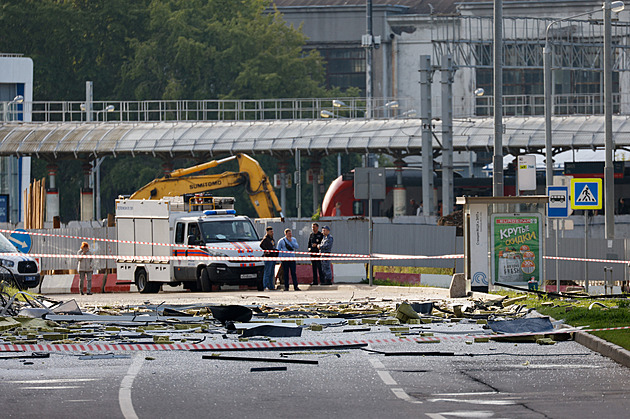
x,y
514,300
404,312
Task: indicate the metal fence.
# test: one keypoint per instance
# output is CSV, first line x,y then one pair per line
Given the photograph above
x,y
60,245
580,272
407,236
352,236
209,110
563,104
288,109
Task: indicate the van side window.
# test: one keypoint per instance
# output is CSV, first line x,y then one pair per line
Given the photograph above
x,y
179,233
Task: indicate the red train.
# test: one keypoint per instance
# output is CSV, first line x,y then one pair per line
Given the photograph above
x,y
339,199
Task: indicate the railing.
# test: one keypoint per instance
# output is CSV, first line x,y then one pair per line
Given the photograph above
x,y
291,109
532,105
209,110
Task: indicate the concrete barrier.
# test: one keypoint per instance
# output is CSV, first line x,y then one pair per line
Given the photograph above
x,y
436,280
431,280
348,273
106,283
56,284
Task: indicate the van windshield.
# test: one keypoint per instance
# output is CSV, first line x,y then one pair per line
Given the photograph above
x,y
228,231
6,246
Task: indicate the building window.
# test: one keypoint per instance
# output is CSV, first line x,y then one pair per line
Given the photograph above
x,y
344,67
577,90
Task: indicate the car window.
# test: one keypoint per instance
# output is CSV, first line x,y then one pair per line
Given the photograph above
x,y
6,246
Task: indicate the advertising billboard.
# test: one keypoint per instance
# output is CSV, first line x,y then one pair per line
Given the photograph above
x,y
516,248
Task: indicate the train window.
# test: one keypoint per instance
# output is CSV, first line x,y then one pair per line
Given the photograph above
x,y
357,208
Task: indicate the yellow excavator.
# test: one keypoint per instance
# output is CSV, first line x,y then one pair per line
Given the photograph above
x,y
250,175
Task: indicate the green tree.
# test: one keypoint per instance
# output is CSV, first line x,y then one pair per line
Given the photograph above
x,y
161,49
71,42
210,49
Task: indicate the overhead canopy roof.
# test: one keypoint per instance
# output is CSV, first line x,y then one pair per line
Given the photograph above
x,y
180,139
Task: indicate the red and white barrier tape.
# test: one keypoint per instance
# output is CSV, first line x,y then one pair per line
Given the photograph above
x,y
153,259
320,256
90,347
31,233
585,259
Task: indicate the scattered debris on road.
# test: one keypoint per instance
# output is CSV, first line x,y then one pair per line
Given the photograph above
x,y
35,320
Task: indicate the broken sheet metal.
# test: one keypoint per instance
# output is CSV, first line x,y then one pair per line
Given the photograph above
x,y
259,359
233,313
273,331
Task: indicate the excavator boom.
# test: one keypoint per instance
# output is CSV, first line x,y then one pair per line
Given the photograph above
x,y
250,174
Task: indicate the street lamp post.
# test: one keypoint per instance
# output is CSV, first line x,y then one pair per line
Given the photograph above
x,y
608,7
389,106
108,109
609,186
497,78
12,115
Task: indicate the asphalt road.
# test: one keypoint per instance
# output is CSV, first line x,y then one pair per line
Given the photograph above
x,y
479,380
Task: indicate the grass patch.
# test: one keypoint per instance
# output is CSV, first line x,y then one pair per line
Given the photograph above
x,y
11,291
577,313
596,318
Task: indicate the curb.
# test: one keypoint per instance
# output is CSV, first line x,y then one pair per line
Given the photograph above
x,y
604,348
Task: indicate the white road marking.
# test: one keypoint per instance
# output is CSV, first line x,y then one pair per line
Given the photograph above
x,y
124,393
53,380
462,414
490,402
387,379
377,364
480,393
552,366
401,394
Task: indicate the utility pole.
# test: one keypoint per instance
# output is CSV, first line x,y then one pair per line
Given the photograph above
x,y
368,43
609,171
447,134
426,78
497,158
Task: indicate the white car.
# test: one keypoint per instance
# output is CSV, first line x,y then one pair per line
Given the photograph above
x,y
23,269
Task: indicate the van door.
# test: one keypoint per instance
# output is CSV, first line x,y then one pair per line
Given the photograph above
x,y
181,267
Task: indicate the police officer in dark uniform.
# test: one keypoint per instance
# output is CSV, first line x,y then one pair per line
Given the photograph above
x,y
268,244
313,246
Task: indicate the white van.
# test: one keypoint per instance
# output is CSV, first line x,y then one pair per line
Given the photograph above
x,y
22,268
149,230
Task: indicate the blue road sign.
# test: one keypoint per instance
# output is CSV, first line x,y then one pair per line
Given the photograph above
x,y
558,205
21,239
586,194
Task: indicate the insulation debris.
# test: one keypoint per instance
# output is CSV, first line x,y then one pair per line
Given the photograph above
x,y
522,325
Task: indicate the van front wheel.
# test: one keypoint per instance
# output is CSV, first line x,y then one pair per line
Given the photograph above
x,y
204,281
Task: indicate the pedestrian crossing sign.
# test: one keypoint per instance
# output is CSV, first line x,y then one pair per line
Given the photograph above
x,y
586,194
